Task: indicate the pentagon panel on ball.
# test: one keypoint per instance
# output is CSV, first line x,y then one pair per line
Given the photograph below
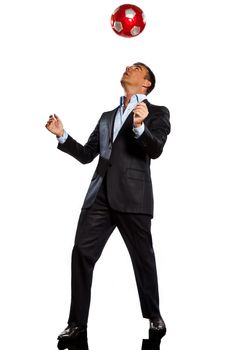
x,y
128,20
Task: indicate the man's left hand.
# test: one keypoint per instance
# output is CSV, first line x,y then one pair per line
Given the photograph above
x,y
140,113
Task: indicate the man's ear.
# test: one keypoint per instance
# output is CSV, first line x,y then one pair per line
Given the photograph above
x,y
146,84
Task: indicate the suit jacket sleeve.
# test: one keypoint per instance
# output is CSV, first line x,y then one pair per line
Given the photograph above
x,y
157,127
84,154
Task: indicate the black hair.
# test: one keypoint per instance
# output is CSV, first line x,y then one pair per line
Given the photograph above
x,y
149,76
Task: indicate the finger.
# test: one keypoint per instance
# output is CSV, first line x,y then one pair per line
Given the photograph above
x,y
139,104
56,117
141,108
138,112
142,104
49,122
137,117
136,109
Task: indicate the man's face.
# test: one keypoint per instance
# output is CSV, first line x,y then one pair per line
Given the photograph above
x,y
134,76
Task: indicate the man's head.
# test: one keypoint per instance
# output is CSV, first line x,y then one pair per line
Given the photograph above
x,y
138,77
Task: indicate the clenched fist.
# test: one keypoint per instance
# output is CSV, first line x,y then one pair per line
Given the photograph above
x,y
55,126
140,113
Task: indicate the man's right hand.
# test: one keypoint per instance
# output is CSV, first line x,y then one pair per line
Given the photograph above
x,y
55,126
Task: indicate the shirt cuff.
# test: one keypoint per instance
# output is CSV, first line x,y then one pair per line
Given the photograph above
x,y
139,131
63,138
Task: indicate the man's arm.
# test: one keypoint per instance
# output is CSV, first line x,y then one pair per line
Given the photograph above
x,y
84,154
156,129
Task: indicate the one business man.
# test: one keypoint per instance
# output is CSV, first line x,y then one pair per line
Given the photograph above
x,y
120,195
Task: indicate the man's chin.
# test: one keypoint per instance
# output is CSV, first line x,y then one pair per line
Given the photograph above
x,y
122,81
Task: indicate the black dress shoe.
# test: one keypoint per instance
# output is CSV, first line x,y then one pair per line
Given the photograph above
x,y
157,328
73,332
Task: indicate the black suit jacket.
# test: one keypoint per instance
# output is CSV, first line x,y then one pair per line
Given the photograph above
x,y
126,161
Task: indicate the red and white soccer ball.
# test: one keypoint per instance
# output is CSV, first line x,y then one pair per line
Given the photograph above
x,y
128,20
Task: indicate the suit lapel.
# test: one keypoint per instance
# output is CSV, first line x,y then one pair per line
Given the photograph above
x,y
105,130
111,119
127,123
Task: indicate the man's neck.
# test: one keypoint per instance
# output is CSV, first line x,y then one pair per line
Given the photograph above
x,y
129,92
127,99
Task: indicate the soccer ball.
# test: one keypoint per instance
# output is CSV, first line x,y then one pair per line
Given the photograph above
x,y
128,20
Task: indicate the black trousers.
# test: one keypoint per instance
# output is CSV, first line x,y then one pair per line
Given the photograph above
x,y
94,228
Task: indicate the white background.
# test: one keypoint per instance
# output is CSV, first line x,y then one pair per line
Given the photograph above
x,y
63,57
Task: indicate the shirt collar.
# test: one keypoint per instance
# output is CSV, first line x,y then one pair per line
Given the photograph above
x,y
134,99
